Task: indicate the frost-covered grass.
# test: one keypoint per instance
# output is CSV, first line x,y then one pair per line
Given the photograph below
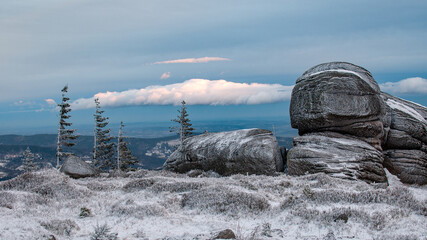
x,y
164,205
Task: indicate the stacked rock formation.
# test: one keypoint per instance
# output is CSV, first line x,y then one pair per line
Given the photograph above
x,y
247,151
345,122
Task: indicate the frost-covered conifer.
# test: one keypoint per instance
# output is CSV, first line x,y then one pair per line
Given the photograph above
x,y
103,149
65,135
184,130
28,161
125,160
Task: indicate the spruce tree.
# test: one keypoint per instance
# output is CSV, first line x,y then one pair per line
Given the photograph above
x,y
103,149
65,135
28,161
125,160
184,130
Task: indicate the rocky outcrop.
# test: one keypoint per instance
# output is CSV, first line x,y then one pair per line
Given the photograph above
x,y
405,148
247,151
75,167
351,130
338,109
336,155
339,97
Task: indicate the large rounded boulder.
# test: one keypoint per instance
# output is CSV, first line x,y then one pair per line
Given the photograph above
x,y
247,151
339,97
75,167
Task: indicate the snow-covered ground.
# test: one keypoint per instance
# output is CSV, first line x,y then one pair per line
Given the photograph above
x,y
164,205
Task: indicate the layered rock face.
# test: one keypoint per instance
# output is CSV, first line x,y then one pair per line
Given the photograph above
x,y
349,129
75,167
336,155
405,148
247,151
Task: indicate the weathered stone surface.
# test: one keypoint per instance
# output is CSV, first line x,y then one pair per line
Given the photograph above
x,y
406,143
336,155
75,167
225,234
252,151
410,166
339,97
397,139
407,117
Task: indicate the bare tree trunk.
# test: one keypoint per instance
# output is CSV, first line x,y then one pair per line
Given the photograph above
x,y
94,144
118,148
58,146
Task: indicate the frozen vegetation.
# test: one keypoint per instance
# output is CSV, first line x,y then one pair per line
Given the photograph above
x,y
164,205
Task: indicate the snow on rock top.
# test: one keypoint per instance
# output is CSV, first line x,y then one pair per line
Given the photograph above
x,y
337,70
406,109
342,67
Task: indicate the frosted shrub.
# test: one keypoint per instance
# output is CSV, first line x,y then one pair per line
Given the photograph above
x,y
308,192
61,227
47,183
7,199
139,184
103,233
407,236
396,196
96,186
340,215
138,173
140,234
85,212
162,185
289,201
225,200
130,208
24,181
176,187
32,200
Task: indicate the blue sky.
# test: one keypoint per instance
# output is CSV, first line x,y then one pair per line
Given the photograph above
x,y
148,49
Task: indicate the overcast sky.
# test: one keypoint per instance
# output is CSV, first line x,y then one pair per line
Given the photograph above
x,y
233,59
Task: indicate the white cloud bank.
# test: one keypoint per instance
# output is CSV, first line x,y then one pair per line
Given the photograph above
x,y
194,92
409,85
194,60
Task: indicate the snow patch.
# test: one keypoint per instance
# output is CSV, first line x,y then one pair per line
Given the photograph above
x,y
406,109
338,70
